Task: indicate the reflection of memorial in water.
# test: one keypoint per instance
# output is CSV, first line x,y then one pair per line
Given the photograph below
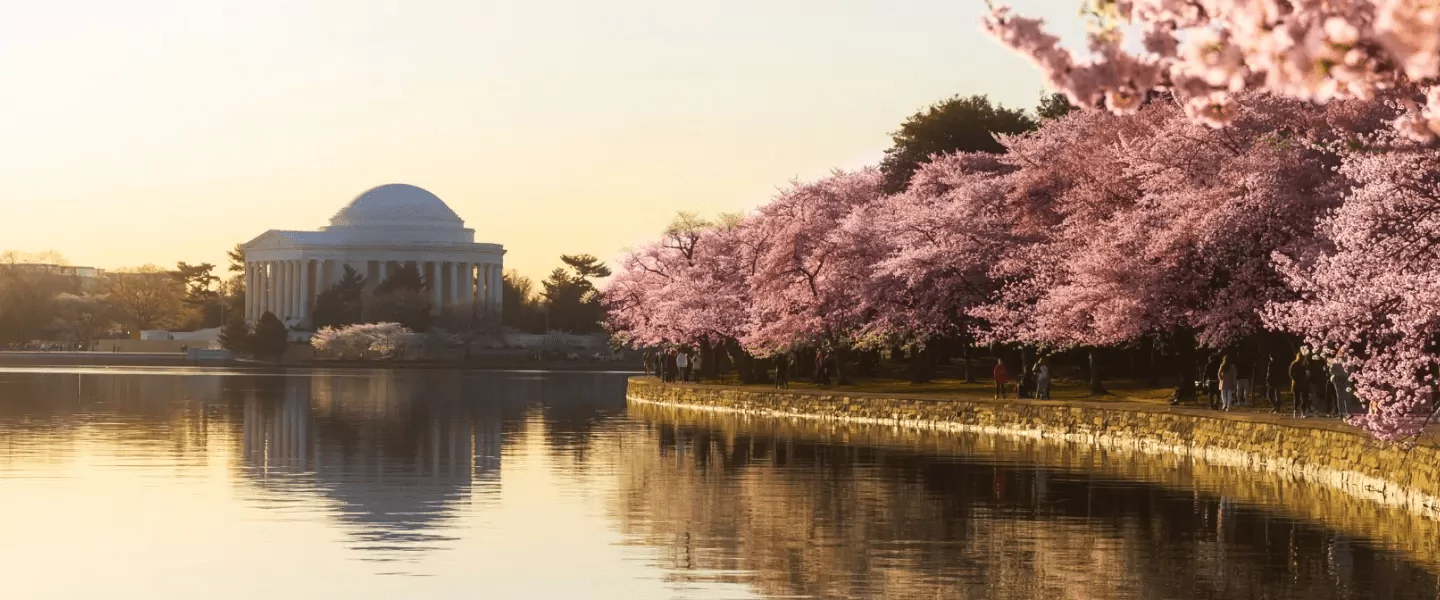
x,y
793,516
399,454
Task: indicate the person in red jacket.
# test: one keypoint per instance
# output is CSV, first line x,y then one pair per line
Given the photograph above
x,y
1002,377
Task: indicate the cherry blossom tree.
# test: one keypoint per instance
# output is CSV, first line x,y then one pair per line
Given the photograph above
x,y
690,288
808,273
1169,228
931,249
1206,51
357,342
1371,300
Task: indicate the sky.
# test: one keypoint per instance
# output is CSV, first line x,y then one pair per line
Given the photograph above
x,y
156,131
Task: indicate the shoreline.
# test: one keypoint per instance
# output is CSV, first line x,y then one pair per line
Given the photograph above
x,y
1325,453
105,359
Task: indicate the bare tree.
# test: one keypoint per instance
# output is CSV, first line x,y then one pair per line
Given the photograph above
x,y
28,287
147,297
85,317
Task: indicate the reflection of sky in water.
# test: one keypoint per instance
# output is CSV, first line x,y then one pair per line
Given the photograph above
x,y
448,485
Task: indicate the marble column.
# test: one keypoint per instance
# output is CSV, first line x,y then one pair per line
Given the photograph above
x,y
272,287
249,292
295,288
305,290
454,286
284,290
483,287
436,299
472,284
498,275
490,289
292,289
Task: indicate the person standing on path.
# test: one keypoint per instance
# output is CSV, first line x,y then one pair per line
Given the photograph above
x,y
1300,384
682,363
670,366
1229,376
1340,379
1002,378
1245,376
1042,380
1212,380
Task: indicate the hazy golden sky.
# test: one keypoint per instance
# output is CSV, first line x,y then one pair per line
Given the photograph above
x,y
151,131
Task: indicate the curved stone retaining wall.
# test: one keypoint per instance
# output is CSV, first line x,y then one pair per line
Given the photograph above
x,y
1321,451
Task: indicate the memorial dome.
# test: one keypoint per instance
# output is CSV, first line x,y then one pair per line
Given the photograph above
x,y
397,204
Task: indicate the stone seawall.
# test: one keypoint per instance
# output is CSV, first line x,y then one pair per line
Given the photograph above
x,y
1320,451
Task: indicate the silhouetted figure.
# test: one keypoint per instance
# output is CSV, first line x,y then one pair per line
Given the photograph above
x,y
1212,380
1300,384
1026,387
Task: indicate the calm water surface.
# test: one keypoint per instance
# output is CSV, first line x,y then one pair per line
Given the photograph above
x,y
354,485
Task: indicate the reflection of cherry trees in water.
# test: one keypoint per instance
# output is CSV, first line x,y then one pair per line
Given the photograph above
x,y
813,519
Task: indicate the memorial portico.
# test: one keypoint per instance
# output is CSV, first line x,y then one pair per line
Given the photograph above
x,y
387,228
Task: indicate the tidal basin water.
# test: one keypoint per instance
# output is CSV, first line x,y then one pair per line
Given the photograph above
x,y
431,485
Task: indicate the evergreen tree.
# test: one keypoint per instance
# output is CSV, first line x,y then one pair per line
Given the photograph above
x,y
237,337
200,293
1053,106
523,309
405,278
967,124
271,337
573,302
402,298
341,304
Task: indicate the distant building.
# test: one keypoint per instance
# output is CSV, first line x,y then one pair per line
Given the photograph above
x,y
88,278
384,229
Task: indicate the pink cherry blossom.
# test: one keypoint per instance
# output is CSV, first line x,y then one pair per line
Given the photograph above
x,y
1202,51
1371,299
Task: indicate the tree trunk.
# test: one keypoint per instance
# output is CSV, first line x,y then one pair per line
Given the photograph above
x,y
743,362
869,363
1153,376
920,365
965,357
1097,386
838,357
707,362
1185,364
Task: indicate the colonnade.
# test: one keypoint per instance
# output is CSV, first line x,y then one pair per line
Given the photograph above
x,y
288,288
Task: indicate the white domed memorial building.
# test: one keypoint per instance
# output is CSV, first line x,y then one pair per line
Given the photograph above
x,y
387,228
